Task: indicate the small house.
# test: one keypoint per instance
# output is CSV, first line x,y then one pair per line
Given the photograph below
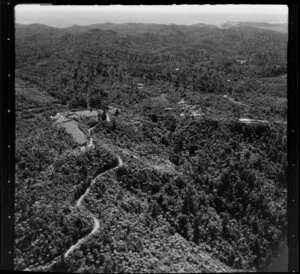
x,y
140,86
169,109
241,61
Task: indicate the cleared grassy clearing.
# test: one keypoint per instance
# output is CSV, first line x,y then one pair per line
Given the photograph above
x,y
72,128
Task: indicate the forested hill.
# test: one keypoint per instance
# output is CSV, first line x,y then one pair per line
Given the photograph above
x,y
206,56
198,116
255,45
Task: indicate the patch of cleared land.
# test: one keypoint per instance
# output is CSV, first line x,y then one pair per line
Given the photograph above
x,y
72,128
66,120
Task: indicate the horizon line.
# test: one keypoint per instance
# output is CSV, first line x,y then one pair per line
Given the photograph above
x,y
144,23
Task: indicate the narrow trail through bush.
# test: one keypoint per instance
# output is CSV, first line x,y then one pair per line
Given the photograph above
x,y
96,221
78,203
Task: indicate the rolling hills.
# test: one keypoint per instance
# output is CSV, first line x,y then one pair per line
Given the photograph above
x,y
199,191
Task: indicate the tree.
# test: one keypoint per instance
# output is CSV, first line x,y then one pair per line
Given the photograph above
x,y
78,101
192,150
114,127
62,266
170,123
183,224
225,225
164,141
109,265
154,209
180,145
196,229
95,101
103,116
186,205
179,181
189,205
153,117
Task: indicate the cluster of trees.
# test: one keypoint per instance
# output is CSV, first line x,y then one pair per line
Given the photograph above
x,y
44,232
239,172
132,236
232,194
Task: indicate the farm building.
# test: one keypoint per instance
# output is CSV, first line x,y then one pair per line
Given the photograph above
x,y
140,86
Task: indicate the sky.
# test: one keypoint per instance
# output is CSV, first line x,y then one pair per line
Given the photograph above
x,y
65,16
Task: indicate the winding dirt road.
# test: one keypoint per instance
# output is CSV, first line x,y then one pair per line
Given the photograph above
x,y
81,198
78,204
96,221
234,101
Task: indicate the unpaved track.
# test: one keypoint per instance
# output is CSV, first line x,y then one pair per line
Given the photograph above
x,y
234,101
96,221
81,198
78,204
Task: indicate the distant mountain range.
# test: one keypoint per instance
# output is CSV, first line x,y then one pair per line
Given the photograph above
x,y
203,25
282,28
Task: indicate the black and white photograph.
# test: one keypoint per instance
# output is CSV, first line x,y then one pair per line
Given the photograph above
x,y
151,138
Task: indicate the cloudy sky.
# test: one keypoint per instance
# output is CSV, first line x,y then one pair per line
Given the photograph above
x,y
64,16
